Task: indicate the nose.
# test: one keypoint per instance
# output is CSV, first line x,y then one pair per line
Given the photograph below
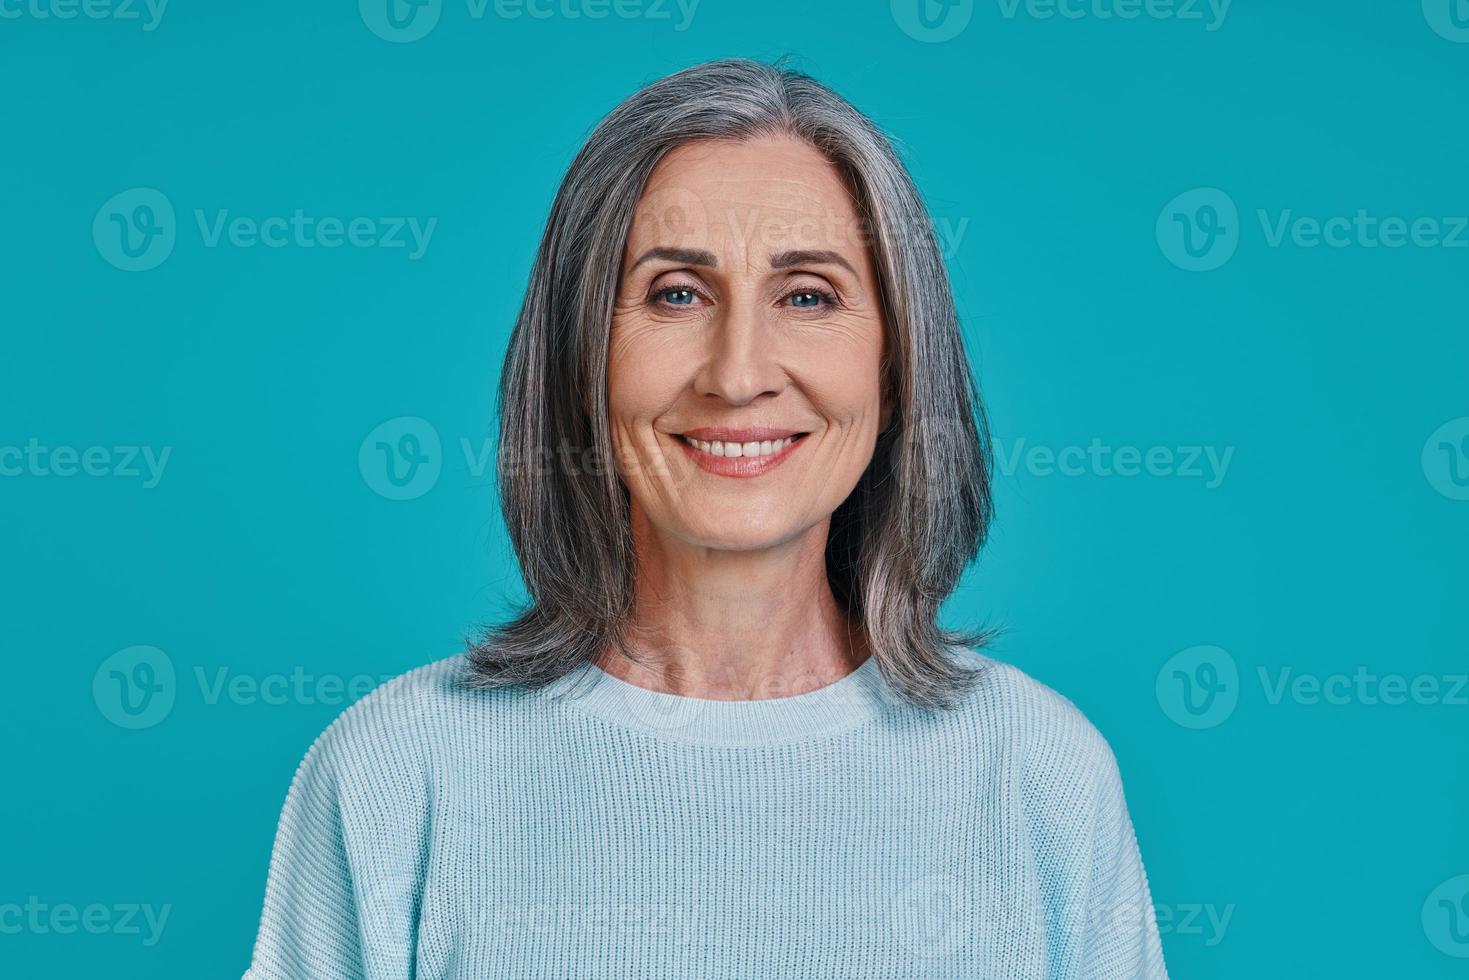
x,y
740,362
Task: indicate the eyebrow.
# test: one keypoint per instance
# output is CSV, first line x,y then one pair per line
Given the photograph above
x,y
809,257
781,260
688,256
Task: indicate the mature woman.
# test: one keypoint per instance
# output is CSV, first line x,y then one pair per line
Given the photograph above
x,y
742,462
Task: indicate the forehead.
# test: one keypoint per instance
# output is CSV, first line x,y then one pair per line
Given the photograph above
x,y
710,192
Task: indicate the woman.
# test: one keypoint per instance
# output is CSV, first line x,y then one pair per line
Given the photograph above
x,y
727,738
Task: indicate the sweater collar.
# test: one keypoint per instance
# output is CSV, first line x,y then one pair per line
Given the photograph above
x,y
835,707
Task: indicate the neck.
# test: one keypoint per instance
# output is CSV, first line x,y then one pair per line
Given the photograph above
x,y
735,625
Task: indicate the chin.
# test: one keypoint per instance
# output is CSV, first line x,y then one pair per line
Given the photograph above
x,y
752,536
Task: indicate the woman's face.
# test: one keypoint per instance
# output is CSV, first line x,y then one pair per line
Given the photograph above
x,y
744,381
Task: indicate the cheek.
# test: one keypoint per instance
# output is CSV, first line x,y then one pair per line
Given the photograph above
x,y
643,372
840,370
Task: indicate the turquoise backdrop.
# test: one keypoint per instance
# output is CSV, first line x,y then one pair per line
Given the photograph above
x,y
1211,261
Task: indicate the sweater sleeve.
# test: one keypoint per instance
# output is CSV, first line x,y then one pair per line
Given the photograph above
x,y
344,883
1121,941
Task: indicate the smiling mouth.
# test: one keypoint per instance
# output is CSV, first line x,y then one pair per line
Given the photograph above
x,y
749,449
740,453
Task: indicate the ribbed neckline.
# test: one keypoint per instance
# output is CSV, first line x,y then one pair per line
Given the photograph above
x,y
838,706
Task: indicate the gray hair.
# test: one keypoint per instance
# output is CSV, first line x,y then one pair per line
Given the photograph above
x,y
918,515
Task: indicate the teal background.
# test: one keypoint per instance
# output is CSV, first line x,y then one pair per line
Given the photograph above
x,y
1333,542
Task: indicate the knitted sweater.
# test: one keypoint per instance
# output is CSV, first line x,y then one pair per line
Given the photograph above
x,y
598,829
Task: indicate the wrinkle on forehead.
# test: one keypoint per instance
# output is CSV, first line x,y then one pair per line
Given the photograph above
x,y
758,197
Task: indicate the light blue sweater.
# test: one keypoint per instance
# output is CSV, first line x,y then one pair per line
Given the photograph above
x,y
599,829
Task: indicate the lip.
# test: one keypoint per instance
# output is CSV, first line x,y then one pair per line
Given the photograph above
x,y
718,433
739,467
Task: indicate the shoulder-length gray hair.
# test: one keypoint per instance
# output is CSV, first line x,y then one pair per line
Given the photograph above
x,y
917,516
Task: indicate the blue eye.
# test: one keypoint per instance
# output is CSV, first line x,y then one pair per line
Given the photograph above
x,y
677,296
807,299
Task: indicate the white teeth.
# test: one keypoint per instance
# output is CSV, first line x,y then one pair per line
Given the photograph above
x,y
763,448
